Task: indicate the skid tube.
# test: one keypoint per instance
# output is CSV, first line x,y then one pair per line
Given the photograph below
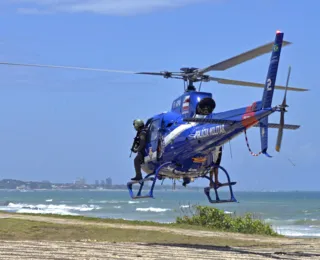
x,y
141,182
229,183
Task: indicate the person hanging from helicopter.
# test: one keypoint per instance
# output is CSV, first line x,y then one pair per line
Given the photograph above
x,y
215,157
138,147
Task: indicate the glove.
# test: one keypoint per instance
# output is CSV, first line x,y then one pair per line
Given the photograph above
x,y
134,149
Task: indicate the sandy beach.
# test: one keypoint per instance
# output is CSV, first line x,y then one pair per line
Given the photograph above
x,y
258,247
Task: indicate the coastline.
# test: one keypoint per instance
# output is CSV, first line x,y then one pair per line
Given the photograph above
x,y
118,239
291,214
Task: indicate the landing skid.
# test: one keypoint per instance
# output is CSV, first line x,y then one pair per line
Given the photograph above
x,y
229,183
146,179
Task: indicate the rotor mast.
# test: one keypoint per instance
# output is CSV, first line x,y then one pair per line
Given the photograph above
x,y
191,76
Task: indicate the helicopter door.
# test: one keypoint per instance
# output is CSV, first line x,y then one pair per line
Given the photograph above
x,y
153,136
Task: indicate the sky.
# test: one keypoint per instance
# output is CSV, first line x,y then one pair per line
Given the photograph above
x,y
58,125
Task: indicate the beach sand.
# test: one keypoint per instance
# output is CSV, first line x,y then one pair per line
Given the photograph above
x,y
258,247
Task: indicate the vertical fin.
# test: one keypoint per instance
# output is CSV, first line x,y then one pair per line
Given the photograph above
x,y
272,72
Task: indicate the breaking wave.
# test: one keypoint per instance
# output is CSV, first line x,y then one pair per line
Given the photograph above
x,y
312,221
49,208
151,209
116,201
295,227
298,231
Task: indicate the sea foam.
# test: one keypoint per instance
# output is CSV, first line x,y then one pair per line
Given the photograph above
x,y
151,209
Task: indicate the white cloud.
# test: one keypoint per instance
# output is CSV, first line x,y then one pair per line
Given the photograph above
x,y
32,11
110,7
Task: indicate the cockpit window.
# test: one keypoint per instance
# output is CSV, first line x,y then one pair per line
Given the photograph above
x,y
148,122
153,130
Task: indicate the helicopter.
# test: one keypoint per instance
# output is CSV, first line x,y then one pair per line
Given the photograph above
x,y
180,141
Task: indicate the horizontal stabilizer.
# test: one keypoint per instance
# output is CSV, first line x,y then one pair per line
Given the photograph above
x,y
230,122
285,126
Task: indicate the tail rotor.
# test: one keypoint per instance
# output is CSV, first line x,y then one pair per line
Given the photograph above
x,y
282,108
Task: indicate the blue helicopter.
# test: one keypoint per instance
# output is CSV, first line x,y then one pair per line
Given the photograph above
x,y
180,142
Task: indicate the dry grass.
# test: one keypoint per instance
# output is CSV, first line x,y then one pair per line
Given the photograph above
x,y
21,229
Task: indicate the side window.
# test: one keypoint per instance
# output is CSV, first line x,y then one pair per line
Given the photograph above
x,y
153,130
148,122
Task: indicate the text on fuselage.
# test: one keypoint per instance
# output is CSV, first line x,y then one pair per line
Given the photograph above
x,y
206,132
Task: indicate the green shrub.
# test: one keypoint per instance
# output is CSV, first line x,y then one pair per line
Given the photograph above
x,y
216,219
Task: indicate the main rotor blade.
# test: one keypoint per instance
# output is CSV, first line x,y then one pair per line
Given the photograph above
x,y
165,74
63,67
243,57
151,73
251,84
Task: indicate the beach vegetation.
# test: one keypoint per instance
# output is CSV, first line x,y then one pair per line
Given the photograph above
x,y
215,219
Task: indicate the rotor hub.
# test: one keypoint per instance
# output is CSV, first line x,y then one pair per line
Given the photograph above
x,y
167,74
188,70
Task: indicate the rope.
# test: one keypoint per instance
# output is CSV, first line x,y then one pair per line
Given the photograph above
x,y
252,153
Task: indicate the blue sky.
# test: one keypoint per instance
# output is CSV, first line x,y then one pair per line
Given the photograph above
x,y
59,125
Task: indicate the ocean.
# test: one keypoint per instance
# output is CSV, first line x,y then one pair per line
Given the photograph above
x,y
295,214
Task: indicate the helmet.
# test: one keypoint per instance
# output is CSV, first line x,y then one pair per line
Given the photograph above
x,y
138,123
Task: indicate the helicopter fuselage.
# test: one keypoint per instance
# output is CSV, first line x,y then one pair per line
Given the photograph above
x,y
188,145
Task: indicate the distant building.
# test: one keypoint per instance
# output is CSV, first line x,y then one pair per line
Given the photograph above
x,y
80,181
97,183
109,181
103,183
